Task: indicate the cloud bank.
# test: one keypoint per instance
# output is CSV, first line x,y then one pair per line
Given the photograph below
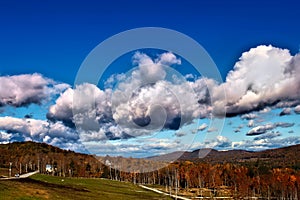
x,y
147,99
154,97
151,98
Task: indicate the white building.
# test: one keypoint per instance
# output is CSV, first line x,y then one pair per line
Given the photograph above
x,y
49,168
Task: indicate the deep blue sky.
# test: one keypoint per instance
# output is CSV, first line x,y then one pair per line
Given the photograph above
x,y
53,37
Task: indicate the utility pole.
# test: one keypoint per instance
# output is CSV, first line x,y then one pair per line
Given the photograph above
x,y
39,165
20,168
9,171
176,184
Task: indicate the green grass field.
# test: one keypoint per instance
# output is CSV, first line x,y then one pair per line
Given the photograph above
x,y
48,187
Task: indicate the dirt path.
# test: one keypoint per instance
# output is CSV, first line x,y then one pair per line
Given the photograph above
x,y
21,176
160,192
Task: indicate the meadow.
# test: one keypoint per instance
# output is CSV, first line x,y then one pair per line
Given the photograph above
x,y
40,187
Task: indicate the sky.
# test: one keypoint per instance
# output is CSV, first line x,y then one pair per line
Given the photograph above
x,y
254,45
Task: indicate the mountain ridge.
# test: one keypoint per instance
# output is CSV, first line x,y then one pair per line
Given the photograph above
x,y
279,157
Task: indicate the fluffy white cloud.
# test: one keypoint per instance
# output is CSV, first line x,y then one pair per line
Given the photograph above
x,y
220,142
22,90
16,129
271,140
180,134
27,127
202,127
285,111
212,129
297,109
163,105
251,123
5,137
268,136
262,142
168,59
262,77
88,109
143,102
152,97
62,110
249,116
258,130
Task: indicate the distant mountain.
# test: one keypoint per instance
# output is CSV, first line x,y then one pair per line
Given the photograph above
x,y
169,157
280,157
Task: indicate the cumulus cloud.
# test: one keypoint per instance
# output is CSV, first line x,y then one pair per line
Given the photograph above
x,y
212,129
261,143
251,123
258,130
220,142
5,137
264,76
180,134
268,136
202,127
26,89
189,76
265,110
168,59
285,111
297,109
29,128
151,71
249,116
153,101
152,97
284,124
62,110
88,109
16,129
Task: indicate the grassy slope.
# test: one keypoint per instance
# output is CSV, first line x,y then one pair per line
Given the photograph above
x,y
48,187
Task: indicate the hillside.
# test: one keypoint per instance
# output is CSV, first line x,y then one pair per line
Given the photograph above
x,y
31,156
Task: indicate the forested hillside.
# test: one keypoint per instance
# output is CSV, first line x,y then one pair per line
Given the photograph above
x,y
31,156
